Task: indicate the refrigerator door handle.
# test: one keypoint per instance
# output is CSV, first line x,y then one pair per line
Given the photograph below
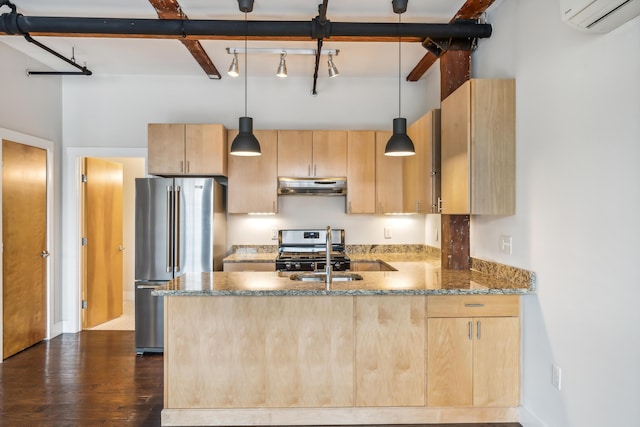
x,y
176,225
168,234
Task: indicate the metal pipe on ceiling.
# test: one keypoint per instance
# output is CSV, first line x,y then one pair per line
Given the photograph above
x,y
15,23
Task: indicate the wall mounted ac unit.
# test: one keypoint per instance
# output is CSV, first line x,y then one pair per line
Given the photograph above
x,y
598,16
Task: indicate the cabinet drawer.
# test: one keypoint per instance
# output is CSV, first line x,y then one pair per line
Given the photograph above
x,y
473,305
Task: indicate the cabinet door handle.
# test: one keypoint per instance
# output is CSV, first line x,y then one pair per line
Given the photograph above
x,y
470,324
478,329
309,170
181,166
349,207
188,168
474,305
273,206
314,170
417,208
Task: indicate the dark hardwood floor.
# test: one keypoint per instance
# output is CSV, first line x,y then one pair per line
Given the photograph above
x,y
92,378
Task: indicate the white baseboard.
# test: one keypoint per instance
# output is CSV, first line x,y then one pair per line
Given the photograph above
x,y
56,329
529,419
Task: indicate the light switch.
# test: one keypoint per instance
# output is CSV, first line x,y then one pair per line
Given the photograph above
x,y
506,244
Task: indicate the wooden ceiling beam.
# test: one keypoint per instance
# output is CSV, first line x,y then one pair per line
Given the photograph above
x,y
170,9
471,9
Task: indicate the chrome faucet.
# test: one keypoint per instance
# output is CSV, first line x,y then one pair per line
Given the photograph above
x,y
327,267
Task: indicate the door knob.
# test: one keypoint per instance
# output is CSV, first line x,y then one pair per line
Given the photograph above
x,y
121,248
44,254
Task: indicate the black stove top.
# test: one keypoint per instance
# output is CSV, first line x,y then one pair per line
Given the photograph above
x,y
305,250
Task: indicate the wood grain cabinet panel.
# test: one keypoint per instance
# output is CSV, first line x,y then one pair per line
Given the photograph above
x,y
329,153
361,172
421,172
390,351
253,180
478,148
295,151
178,149
389,182
253,352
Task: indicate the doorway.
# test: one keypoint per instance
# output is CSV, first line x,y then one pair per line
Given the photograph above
x,y
108,264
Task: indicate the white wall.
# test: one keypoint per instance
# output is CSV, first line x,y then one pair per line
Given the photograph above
x,y
578,151
121,107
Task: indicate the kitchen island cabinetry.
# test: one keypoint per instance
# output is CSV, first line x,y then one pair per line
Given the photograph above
x,y
473,349
478,148
315,154
177,149
388,177
258,348
253,181
361,175
421,172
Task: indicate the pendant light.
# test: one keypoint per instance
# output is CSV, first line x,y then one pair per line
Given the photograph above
x,y
399,144
245,143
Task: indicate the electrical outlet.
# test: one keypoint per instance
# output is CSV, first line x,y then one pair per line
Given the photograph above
x,y
506,246
274,234
556,376
387,232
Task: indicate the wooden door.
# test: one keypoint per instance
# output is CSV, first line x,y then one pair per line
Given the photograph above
x,y
455,151
361,172
24,239
389,180
329,153
449,362
496,362
253,181
165,149
102,289
205,149
294,153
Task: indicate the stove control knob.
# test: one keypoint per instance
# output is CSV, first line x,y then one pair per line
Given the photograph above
x,y
297,266
287,265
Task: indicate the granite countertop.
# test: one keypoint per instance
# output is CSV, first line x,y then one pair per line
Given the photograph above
x,y
417,274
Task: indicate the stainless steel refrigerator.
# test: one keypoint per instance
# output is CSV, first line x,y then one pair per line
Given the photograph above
x,y
180,228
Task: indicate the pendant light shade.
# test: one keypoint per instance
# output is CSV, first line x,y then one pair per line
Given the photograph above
x,y
233,68
399,144
245,143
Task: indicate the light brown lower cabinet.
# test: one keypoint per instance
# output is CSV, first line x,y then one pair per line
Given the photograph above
x,y
473,361
390,351
340,360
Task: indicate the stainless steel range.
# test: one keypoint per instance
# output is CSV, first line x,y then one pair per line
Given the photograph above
x,y
305,250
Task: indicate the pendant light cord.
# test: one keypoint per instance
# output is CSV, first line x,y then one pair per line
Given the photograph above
x,y
399,63
246,35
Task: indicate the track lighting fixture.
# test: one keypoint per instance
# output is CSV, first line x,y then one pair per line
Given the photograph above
x,y
333,70
282,68
399,144
233,68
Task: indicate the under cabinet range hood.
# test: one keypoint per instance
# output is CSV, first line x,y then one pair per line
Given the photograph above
x,y
312,186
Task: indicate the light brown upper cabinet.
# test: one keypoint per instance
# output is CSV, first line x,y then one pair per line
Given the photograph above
x,y
478,148
253,181
361,172
187,149
312,153
421,173
388,177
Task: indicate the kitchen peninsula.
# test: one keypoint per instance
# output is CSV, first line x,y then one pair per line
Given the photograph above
x,y
256,348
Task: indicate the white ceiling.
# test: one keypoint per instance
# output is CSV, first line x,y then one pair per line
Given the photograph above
x,y
108,56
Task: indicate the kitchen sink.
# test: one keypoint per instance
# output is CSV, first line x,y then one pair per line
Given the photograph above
x,y
321,277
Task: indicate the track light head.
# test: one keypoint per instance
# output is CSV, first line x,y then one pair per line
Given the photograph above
x,y
333,70
233,68
282,68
